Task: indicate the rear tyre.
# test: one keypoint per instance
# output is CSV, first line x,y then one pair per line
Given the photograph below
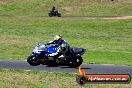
x,y
59,15
33,61
76,62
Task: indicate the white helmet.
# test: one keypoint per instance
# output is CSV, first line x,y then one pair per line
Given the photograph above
x,y
57,37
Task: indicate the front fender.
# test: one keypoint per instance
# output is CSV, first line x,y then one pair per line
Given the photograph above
x,y
36,55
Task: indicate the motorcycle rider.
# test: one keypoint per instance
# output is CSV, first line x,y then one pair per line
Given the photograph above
x,y
63,46
54,10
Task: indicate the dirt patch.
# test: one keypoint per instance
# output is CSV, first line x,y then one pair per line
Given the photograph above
x,y
121,17
5,1
12,40
68,9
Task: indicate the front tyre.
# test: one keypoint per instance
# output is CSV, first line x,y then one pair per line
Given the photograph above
x,y
50,14
33,61
76,62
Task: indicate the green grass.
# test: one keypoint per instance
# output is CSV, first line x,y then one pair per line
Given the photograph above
x,y
106,41
66,7
40,79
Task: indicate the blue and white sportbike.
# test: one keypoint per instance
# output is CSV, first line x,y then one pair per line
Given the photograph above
x,y
43,54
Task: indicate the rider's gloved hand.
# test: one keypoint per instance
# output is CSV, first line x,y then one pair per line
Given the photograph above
x,y
47,44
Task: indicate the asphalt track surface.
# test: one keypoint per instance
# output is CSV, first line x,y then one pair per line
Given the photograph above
x,y
90,68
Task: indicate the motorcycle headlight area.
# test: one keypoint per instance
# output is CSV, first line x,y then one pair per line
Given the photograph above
x,y
37,51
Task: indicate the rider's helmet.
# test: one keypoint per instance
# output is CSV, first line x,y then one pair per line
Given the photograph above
x,y
53,8
58,39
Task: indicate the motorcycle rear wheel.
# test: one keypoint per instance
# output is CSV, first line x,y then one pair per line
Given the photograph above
x,y
76,62
59,15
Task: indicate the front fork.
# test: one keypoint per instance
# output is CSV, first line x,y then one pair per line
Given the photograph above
x,y
40,58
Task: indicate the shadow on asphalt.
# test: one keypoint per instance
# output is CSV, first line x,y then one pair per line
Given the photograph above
x,y
85,68
71,67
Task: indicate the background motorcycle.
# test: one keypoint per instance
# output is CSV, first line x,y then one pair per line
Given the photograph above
x,y
43,54
54,13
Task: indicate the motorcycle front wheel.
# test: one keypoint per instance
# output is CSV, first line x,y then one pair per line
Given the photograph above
x,y
33,61
50,14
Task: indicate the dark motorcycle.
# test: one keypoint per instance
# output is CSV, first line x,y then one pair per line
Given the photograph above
x,y
54,14
43,54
